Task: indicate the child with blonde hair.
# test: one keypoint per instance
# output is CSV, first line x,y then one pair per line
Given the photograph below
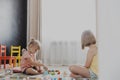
x,y
29,64
90,69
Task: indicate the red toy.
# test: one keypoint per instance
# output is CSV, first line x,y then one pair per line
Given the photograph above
x,y
4,57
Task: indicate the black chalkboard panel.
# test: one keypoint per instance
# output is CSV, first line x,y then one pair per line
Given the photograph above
x,y
13,23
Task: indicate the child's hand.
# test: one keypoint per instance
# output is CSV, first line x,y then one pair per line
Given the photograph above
x,y
45,67
40,61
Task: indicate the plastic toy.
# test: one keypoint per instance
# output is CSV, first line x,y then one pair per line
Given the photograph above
x,y
45,72
53,72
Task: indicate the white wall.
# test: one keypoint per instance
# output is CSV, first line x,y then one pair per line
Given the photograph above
x,y
67,19
108,19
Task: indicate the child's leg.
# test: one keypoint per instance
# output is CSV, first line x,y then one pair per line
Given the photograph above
x,y
41,71
79,70
32,71
74,75
37,68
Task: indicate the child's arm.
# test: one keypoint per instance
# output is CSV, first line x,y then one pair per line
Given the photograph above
x,y
44,66
33,62
90,56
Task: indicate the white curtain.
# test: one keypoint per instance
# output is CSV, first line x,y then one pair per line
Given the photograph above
x,y
61,29
33,22
64,53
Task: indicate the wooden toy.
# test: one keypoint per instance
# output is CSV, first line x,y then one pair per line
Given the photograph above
x,y
4,57
14,50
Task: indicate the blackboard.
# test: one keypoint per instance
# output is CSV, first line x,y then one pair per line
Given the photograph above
x,y
13,23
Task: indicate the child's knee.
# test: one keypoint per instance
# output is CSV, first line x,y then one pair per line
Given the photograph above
x,y
34,72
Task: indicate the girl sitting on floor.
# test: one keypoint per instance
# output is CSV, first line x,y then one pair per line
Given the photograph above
x,y
29,65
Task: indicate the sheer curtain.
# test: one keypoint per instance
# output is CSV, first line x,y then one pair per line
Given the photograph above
x,y
64,53
33,22
62,22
